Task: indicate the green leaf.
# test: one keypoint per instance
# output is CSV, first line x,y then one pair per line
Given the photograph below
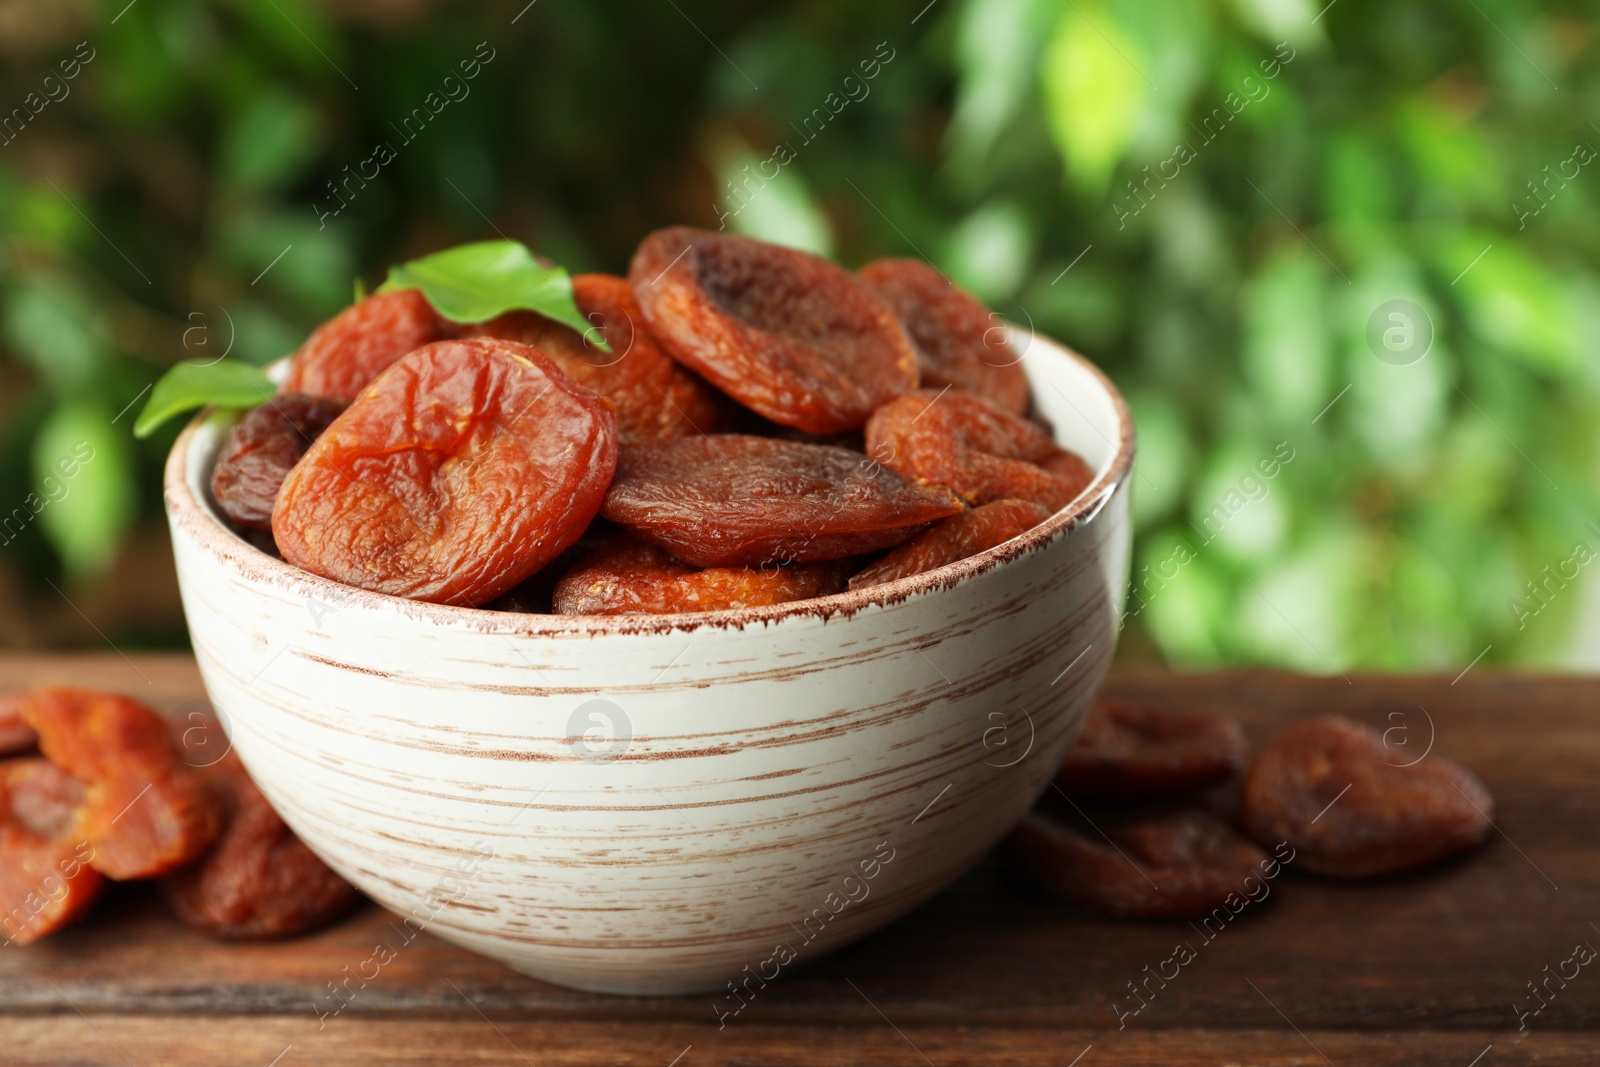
x,y
988,251
85,492
1094,93
1277,20
187,386
49,322
780,209
1285,351
997,51
269,142
310,264
476,282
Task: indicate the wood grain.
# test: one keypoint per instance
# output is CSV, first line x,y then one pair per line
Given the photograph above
x,y
1421,969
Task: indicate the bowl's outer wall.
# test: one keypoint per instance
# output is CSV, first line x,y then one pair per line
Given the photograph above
x,y
660,811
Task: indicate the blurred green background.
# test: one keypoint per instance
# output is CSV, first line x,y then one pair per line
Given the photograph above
x,y
1215,200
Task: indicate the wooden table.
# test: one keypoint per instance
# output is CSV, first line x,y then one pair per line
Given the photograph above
x,y
1426,969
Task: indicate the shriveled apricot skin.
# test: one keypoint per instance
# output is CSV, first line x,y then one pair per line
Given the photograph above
x,y
261,449
954,538
144,812
348,351
958,343
729,500
653,396
1342,799
628,575
259,881
1130,752
789,335
980,450
1182,865
459,472
46,882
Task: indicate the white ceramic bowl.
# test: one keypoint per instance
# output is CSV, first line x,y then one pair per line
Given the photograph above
x,y
664,804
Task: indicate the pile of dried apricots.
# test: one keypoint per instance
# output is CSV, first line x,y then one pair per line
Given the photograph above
x,y
99,787
765,427
1329,796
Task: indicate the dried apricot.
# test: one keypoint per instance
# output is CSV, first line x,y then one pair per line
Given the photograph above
x,y
1128,752
15,734
729,500
144,812
654,397
259,880
975,447
45,878
628,575
955,538
348,351
260,450
794,337
1335,792
1180,865
459,472
958,342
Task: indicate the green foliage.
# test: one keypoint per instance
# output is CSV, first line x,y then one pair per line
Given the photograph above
x,y
83,477
475,282
1237,187
187,386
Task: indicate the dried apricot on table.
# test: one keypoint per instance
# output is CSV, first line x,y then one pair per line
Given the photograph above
x,y
975,447
144,812
259,451
729,500
789,335
955,538
958,342
653,396
1180,865
459,472
1350,806
1128,751
629,575
45,880
348,351
15,733
259,880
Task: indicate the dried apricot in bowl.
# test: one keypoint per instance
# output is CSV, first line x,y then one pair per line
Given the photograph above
x,y
653,396
1334,791
789,335
729,500
348,351
259,880
1128,752
45,878
261,449
144,812
958,342
977,448
460,471
954,538
1183,864
628,575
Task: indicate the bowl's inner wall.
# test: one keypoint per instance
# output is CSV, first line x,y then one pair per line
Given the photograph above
x,y
1073,399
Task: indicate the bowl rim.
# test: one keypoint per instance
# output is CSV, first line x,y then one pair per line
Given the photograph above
x,y
196,517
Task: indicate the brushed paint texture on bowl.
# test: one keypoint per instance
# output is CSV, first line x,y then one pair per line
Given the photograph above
x,y
667,804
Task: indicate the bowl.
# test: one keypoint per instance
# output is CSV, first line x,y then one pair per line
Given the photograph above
x,y
672,803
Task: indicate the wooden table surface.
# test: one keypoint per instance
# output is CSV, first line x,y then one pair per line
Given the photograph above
x,y
1426,969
